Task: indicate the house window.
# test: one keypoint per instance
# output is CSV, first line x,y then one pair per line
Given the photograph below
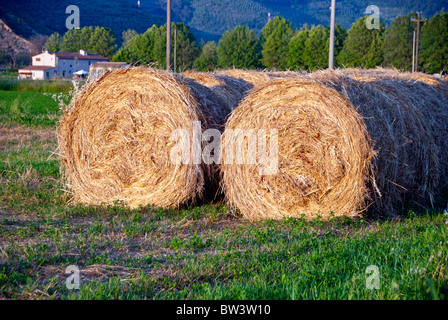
x,y
89,62
37,59
48,75
70,66
64,62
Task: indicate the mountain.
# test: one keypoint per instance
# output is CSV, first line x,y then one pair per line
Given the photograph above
x,y
28,18
12,43
208,19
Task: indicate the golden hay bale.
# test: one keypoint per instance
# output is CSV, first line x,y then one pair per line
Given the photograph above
x,y
330,126
115,144
323,147
251,77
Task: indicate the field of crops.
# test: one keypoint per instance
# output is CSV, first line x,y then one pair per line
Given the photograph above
x,y
201,252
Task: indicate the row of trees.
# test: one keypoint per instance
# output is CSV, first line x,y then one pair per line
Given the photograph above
x,y
278,47
93,39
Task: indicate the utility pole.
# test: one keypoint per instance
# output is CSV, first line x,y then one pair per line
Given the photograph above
x,y
168,35
413,53
331,51
418,20
175,50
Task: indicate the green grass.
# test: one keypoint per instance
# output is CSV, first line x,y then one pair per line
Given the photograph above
x,y
49,86
30,108
203,252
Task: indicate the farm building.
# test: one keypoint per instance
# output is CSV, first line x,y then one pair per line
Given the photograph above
x,y
50,65
98,69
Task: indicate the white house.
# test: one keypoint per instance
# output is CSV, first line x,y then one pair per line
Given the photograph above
x,y
50,65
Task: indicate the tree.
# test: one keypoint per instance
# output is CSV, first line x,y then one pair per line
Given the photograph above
x,y
340,34
187,49
239,48
433,44
53,43
93,39
186,52
295,58
139,49
208,60
124,55
150,47
363,46
71,41
275,37
102,41
398,43
315,53
127,35
309,48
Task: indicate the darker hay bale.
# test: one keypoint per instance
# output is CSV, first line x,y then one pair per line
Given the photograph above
x,y
344,146
220,93
417,90
114,138
250,77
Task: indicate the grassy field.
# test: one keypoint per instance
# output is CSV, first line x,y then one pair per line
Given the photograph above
x,y
30,108
49,86
204,252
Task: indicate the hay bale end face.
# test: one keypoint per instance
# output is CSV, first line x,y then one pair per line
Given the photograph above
x,y
115,140
324,153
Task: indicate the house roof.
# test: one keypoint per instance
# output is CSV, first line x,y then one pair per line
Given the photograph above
x,y
109,64
36,68
73,55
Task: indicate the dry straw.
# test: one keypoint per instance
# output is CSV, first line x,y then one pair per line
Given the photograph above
x,y
344,146
324,153
114,138
422,91
250,77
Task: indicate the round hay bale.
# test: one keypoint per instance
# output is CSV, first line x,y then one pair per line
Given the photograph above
x,y
115,138
330,127
417,90
324,153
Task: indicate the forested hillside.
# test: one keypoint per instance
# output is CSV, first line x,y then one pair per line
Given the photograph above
x,y
208,19
45,17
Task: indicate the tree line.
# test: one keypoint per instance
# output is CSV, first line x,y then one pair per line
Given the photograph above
x,y
279,46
